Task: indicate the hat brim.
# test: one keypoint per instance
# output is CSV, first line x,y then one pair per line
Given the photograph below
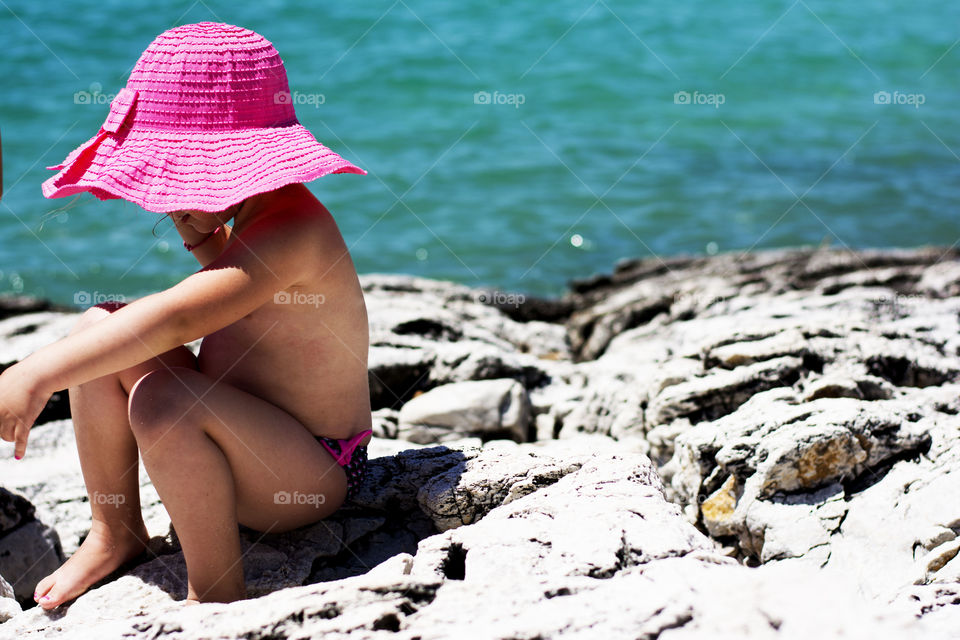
x,y
172,171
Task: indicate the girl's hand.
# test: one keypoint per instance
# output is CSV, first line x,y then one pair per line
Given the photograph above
x,y
21,401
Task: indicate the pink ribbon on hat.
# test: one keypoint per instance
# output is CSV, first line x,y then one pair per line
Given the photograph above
x,y
120,108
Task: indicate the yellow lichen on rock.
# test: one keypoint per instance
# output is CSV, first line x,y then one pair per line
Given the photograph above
x,y
717,510
826,460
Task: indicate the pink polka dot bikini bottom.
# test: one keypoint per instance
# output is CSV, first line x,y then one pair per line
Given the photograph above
x,y
350,455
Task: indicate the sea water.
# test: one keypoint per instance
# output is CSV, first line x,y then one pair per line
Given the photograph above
x,y
517,145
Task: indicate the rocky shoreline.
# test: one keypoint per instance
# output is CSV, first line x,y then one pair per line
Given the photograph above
x,y
762,444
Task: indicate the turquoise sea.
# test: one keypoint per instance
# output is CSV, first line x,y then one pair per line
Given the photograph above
x,y
519,144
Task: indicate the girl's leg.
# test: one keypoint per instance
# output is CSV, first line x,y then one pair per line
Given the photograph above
x,y
108,459
218,456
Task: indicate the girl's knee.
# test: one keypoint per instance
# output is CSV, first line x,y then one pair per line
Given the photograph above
x,y
95,314
161,399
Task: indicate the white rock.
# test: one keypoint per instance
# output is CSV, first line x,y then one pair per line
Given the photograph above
x,y
488,408
9,607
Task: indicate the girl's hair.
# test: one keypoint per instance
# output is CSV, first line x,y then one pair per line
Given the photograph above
x,y
73,202
159,220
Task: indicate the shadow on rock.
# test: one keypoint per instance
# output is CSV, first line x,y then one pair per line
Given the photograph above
x,y
383,519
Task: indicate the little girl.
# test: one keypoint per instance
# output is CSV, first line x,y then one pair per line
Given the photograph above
x,y
268,425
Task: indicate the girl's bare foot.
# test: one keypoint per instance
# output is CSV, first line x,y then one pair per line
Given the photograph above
x,y
100,554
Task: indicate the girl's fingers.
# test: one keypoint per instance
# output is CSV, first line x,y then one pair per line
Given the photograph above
x,y
20,448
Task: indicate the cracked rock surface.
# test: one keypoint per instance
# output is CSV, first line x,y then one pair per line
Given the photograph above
x,y
756,445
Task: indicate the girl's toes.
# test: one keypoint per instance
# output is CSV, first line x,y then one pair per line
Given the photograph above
x,y
43,587
47,602
52,599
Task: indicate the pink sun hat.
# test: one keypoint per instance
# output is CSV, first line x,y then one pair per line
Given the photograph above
x,y
205,121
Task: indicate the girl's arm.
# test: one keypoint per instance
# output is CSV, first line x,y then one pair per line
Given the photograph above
x,y
244,278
